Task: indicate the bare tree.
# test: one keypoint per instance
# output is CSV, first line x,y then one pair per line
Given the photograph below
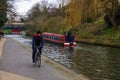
x,y
62,3
43,5
11,11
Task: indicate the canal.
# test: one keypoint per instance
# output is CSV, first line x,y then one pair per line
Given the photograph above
x,y
95,62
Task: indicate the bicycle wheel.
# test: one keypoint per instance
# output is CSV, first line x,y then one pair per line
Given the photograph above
x,y
38,61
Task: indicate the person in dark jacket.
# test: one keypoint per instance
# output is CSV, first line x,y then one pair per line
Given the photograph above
x,y
69,36
37,41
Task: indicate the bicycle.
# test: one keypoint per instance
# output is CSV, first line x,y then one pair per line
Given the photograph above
x,y
38,57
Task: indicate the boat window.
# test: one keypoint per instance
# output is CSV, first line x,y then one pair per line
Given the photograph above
x,y
51,37
56,38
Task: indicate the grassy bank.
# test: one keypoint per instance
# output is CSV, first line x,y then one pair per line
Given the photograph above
x,y
2,41
97,33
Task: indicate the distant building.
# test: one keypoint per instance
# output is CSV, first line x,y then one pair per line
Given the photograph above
x,y
14,24
50,10
14,28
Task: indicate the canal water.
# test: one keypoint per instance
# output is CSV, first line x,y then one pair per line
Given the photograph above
x,y
95,62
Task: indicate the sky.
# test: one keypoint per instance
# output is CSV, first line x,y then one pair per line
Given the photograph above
x,y
22,6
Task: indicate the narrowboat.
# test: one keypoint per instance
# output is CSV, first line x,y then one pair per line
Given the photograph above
x,y
59,38
15,31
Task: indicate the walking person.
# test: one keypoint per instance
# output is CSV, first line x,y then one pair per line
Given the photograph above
x,y
69,36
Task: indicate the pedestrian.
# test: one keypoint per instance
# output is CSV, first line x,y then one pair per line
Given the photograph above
x,y
2,34
37,41
69,34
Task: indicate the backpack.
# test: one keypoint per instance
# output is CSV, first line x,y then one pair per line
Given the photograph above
x,y
37,39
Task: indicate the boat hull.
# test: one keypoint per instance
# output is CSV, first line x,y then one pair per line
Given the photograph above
x,y
70,44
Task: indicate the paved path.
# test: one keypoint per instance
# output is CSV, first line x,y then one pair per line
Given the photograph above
x,y
16,64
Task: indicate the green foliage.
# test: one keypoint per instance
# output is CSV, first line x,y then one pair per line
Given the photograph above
x,y
109,31
3,19
99,21
56,21
3,12
7,31
46,19
89,20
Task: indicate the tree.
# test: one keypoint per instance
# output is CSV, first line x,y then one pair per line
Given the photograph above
x,y
11,12
112,9
78,11
3,12
36,16
62,3
6,8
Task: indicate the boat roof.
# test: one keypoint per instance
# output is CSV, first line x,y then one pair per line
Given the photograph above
x,y
52,34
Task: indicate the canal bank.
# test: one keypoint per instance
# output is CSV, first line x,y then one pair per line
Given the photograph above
x,y
9,75
99,41
2,41
98,34
56,67
3,74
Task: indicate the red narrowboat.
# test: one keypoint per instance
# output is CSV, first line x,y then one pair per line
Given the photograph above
x,y
15,31
59,38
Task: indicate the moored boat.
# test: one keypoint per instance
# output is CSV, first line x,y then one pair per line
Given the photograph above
x,y
59,38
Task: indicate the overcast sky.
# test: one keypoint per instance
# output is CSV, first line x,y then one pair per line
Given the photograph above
x,y
22,6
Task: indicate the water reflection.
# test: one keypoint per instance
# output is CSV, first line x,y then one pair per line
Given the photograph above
x,y
113,63
96,62
59,53
90,61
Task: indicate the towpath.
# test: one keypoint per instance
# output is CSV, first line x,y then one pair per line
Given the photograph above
x,y
16,64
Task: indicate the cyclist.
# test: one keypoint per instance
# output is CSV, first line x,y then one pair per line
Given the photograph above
x,y
37,41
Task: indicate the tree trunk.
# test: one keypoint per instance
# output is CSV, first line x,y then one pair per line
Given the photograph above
x,y
114,24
